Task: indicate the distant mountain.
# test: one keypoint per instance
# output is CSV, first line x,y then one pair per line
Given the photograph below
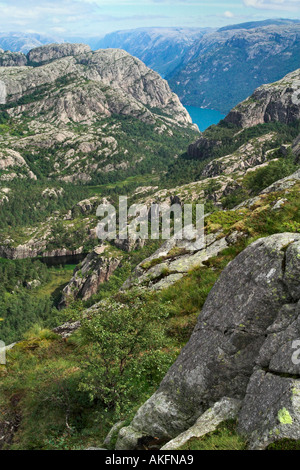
x,y
214,68
205,67
24,42
256,24
226,66
162,49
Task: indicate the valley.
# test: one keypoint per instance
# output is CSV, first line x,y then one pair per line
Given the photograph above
x,y
145,344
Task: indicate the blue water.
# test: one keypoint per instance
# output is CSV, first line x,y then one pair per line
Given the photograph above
x,y
204,117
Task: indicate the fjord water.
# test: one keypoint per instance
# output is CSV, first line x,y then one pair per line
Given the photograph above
x,y
204,117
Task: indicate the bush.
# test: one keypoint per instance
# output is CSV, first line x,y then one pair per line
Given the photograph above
x,y
126,354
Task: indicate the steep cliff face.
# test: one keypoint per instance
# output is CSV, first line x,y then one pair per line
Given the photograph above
x,y
277,101
94,270
122,84
242,348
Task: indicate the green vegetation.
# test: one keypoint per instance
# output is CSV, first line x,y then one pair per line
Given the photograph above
x,y
67,393
260,179
226,139
63,389
128,351
224,437
24,303
284,444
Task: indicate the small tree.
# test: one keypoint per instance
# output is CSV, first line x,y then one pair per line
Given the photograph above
x,y
125,354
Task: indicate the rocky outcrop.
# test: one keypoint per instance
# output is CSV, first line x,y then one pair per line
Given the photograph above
x,y
12,59
296,148
223,410
102,83
87,206
203,148
12,160
242,348
67,329
247,156
277,101
93,271
129,244
285,184
23,42
50,52
173,260
35,250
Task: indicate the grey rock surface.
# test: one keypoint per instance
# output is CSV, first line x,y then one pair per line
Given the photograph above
x,y
256,294
93,271
12,59
277,101
102,82
50,52
271,410
67,329
113,432
223,410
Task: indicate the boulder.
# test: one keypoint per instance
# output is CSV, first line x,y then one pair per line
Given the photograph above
x,y
223,410
246,331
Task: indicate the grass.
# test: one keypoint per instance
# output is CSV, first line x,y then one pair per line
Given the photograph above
x,y
58,279
285,444
224,437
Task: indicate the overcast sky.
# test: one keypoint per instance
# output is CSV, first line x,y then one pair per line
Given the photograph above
x,y
63,18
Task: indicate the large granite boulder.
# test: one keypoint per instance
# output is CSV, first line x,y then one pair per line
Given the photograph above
x,y
241,348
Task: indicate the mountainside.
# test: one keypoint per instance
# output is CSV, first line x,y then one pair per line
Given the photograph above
x,y
215,69
205,67
224,67
192,342
162,49
273,103
69,88
277,101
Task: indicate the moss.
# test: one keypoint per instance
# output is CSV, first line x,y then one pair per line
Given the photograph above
x,y
285,444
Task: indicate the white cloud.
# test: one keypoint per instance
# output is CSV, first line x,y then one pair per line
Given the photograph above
x,y
283,5
228,14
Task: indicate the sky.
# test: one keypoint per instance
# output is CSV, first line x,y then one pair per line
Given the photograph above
x,y
82,18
